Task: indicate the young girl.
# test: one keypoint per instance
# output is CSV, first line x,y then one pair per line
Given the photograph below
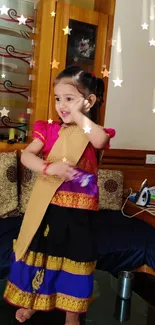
x,y
55,254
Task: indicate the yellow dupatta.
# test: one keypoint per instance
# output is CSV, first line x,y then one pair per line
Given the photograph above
x,y
70,145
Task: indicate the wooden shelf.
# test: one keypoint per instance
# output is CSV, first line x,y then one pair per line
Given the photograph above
x,y
131,208
4,146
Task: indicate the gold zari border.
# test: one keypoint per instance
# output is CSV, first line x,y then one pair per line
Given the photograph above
x,y
75,200
88,165
39,134
57,263
44,302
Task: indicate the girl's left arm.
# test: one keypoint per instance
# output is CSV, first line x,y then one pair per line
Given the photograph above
x,y
95,133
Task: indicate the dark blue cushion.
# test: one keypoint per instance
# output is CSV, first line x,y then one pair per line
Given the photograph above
x,y
9,229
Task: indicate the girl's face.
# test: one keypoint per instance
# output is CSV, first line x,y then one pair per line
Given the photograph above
x,y
66,96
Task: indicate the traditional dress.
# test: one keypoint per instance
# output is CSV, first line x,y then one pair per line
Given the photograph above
x,y
56,271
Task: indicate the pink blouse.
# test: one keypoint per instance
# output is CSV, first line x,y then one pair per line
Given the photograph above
x,y
69,193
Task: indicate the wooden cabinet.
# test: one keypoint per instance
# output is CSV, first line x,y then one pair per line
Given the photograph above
x,y
17,21
85,46
88,29
106,6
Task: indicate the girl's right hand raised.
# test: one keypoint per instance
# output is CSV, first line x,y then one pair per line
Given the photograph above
x,y
61,169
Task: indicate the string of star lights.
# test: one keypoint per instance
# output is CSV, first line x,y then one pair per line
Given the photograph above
x,y
22,20
4,10
153,110
144,20
117,58
53,14
105,72
4,112
152,24
152,13
148,21
12,16
119,41
87,129
145,26
55,64
50,121
67,30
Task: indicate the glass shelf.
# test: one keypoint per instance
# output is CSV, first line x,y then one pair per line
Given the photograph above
x,y
4,146
16,60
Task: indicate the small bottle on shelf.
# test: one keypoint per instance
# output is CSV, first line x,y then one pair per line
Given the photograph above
x,y
21,133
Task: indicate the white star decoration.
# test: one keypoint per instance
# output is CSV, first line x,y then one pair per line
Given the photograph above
x,y
67,30
151,17
53,14
64,160
119,50
145,26
153,110
3,76
4,10
50,121
152,42
117,82
22,20
87,129
4,112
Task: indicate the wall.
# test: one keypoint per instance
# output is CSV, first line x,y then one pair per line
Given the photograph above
x,y
129,108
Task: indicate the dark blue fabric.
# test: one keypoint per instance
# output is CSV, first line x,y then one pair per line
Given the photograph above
x,y
80,286
123,244
9,229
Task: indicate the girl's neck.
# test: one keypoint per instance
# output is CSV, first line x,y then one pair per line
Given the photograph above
x,y
67,125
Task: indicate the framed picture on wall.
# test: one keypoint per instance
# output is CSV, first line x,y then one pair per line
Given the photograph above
x,y
81,43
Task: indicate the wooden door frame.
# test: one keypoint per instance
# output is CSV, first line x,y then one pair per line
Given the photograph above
x,y
106,6
41,71
65,12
